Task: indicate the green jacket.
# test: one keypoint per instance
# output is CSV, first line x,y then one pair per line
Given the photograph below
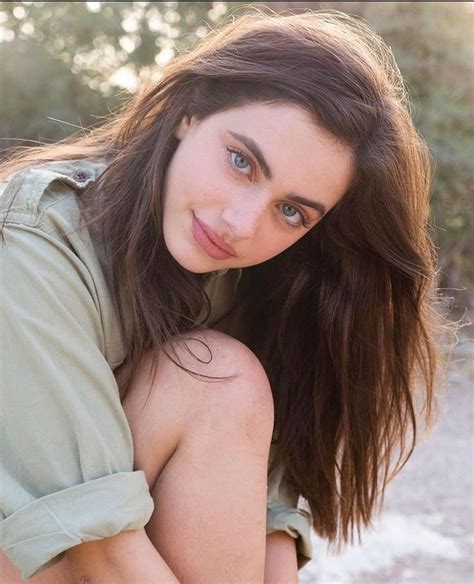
x,y
67,455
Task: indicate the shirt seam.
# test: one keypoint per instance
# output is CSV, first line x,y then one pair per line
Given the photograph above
x,y
37,218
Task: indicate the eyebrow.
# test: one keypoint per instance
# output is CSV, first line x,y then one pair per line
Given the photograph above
x,y
267,173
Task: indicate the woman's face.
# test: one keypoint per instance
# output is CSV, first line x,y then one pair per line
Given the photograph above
x,y
252,180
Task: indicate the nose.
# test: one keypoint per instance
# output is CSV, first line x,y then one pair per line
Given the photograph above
x,y
242,217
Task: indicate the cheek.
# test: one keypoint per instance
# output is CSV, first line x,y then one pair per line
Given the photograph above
x,y
207,186
184,172
272,242
199,181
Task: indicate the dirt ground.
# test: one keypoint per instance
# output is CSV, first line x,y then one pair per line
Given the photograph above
x,y
425,534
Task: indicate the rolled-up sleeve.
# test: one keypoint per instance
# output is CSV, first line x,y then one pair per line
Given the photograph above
x,y
283,514
66,448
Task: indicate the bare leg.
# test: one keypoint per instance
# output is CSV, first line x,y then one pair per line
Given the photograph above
x,y
204,448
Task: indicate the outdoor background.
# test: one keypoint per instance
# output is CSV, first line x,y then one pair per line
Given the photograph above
x,y
70,65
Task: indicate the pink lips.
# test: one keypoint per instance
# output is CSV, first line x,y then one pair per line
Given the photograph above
x,y
214,245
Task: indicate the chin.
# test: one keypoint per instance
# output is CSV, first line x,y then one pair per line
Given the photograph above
x,y
190,262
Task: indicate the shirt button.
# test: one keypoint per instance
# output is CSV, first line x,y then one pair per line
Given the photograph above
x,y
81,175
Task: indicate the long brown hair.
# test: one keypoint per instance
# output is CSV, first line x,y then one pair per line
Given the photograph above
x,y
344,321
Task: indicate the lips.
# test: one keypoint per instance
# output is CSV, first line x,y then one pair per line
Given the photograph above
x,y
214,245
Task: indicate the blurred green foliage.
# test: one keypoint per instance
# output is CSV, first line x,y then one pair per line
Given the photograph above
x,y
66,65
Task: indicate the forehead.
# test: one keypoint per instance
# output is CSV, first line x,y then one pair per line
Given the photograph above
x,y
261,115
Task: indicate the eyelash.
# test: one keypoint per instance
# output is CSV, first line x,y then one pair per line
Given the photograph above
x,y
305,221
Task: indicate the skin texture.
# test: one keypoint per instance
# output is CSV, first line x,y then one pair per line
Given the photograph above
x,y
230,193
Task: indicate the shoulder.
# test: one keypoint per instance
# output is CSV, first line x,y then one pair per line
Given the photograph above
x,y
44,241
26,195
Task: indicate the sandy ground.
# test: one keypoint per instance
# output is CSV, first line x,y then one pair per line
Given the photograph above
x,y
425,534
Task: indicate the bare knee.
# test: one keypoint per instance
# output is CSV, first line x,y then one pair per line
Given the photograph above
x,y
239,378
242,399
212,353
163,409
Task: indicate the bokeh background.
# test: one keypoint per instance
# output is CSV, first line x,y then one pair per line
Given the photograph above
x,y
68,66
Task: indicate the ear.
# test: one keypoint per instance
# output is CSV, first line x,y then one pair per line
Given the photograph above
x,y
184,126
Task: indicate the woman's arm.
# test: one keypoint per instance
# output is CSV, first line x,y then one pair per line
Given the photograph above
x,y
123,559
281,564
60,401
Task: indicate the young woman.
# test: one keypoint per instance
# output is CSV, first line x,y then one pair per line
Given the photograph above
x,y
218,302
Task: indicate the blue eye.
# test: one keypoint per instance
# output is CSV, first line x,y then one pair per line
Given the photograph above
x,y
291,211
239,161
